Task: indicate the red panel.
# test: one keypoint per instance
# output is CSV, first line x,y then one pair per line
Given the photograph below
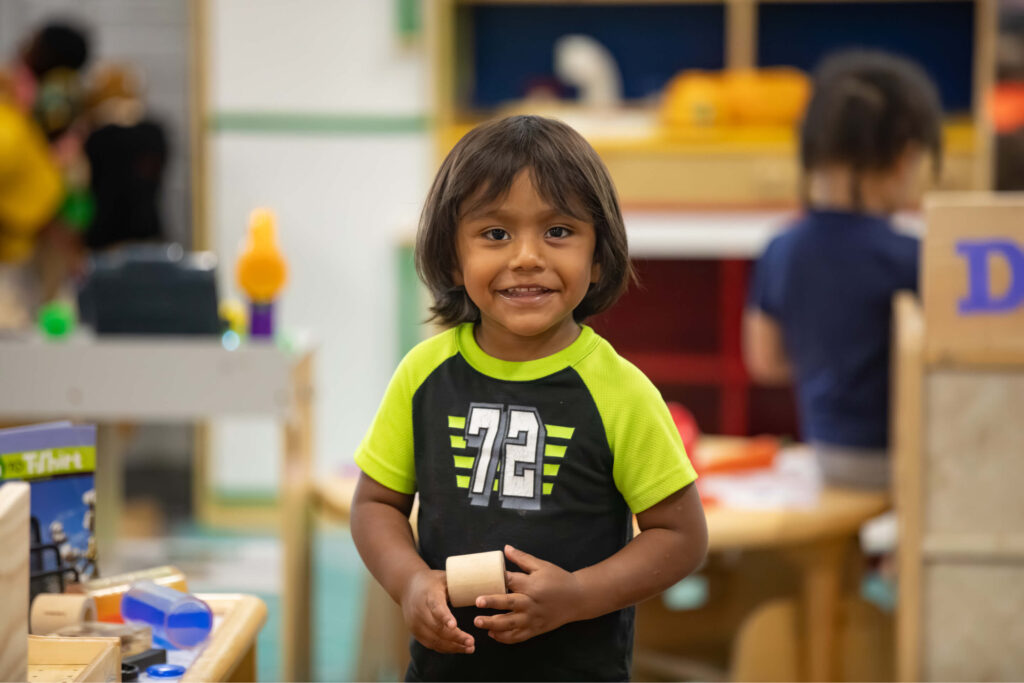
x,y
673,308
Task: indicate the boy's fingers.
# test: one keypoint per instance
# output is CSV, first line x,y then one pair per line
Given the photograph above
x,y
526,561
499,622
515,581
508,601
509,637
439,610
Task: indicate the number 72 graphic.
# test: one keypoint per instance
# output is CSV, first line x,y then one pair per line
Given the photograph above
x,y
513,437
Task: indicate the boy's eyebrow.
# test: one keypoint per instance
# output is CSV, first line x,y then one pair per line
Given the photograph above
x,y
491,211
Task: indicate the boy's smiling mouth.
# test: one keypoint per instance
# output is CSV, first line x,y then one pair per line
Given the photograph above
x,y
525,292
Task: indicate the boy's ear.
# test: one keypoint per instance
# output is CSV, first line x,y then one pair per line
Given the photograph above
x,y
595,272
457,277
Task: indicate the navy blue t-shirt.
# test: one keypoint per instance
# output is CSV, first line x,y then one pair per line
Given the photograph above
x,y
828,281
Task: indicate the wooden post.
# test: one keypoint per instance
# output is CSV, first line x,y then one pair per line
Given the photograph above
x,y
296,528
14,561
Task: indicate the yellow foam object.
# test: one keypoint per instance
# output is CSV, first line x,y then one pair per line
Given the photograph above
x,y
261,269
771,97
30,185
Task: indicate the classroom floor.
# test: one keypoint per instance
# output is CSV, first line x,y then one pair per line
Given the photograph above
x,y
222,561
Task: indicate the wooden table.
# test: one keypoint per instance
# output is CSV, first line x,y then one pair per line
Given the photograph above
x,y
231,653
816,541
164,378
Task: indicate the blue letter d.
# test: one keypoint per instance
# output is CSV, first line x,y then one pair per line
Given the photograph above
x,y
979,299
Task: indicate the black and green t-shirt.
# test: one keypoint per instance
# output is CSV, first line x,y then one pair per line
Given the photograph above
x,y
551,456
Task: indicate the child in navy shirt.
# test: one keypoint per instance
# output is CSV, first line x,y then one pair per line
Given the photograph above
x,y
820,301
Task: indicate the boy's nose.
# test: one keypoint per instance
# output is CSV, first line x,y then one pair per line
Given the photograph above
x,y
527,255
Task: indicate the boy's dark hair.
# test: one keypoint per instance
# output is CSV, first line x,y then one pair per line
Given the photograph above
x,y
54,46
867,106
566,172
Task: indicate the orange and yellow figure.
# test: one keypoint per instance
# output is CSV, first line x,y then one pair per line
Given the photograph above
x,y
261,271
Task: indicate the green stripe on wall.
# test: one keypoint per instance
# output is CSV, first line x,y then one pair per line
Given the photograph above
x,y
316,124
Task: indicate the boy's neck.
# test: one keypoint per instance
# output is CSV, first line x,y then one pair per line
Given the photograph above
x,y
832,188
503,345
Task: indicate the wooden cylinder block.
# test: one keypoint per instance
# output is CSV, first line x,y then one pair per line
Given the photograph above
x,y
51,611
470,576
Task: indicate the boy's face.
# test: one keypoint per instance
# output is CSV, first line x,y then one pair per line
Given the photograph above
x,y
526,266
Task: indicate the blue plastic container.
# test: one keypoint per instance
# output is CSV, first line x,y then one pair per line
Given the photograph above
x,y
165,672
179,619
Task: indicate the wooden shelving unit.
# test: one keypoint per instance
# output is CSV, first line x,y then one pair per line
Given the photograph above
x,y
682,325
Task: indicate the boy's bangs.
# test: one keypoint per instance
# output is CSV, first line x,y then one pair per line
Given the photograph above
x,y
559,184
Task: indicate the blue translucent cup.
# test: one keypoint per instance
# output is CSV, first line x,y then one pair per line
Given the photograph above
x,y
179,619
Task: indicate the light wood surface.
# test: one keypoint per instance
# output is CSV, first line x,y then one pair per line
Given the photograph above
x,y
952,218
231,653
296,529
958,441
67,660
908,399
14,578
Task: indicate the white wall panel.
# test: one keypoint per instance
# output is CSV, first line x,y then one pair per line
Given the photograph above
x,y
313,56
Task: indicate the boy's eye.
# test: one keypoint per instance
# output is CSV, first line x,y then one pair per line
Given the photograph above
x,y
496,234
559,231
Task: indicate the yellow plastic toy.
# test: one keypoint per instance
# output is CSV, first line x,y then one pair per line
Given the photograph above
x,y
767,97
30,185
261,271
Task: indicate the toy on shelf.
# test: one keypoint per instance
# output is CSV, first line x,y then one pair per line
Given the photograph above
x,y
761,97
57,319
180,619
261,272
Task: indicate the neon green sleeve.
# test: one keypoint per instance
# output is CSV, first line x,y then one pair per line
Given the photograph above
x,y
650,462
386,453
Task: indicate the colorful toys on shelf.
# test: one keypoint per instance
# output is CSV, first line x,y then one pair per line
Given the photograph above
x,y
261,271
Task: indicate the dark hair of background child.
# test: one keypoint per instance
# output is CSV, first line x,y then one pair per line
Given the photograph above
x,y
866,107
57,45
566,172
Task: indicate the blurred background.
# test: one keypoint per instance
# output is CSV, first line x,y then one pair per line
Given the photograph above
x,y
168,122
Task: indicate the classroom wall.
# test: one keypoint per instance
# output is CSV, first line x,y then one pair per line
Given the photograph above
x,y
318,111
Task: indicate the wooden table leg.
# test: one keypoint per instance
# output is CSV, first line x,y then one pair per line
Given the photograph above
x,y
822,571
108,483
297,530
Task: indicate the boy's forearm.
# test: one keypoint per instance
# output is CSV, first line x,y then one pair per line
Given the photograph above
x,y
384,539
649,564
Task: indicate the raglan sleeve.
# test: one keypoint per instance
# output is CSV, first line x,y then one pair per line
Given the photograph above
x,y
649,462
386,452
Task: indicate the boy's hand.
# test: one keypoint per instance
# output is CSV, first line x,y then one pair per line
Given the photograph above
x,y
425,608
541,600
